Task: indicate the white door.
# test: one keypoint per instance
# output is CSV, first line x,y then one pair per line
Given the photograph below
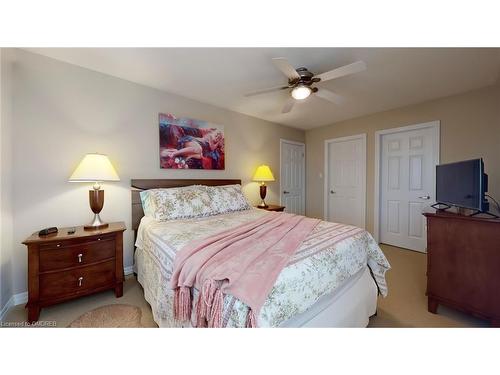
x,y
292,177
345,178
407,185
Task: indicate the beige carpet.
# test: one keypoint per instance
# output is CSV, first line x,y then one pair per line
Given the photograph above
x,y
65,313
405,306
110,316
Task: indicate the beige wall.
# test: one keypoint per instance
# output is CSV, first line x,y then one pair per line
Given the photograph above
x,y
62,112
6,218
470,128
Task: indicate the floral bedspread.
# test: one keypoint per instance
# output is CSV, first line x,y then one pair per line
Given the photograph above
x,y
330,255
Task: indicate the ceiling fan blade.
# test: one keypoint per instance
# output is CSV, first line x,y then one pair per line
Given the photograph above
x,y
330,96
288,106
345,70
283,65
263,91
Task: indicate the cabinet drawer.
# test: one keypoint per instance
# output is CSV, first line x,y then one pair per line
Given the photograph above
x,y
79,280
76,241
66,256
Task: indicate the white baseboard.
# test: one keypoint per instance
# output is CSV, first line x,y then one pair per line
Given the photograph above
x,y
22,298
16,299
6,308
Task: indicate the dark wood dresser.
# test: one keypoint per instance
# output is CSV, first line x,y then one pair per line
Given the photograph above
x,y
65,266
463,264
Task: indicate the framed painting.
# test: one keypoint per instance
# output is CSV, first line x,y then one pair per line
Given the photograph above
x,y
186,143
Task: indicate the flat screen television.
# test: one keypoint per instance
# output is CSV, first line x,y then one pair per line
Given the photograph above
x,y
462,184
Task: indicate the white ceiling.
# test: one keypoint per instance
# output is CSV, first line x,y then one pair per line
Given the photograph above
x,y
395,77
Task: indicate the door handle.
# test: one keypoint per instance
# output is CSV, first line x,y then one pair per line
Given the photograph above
x,y
286,192
332,192
426,197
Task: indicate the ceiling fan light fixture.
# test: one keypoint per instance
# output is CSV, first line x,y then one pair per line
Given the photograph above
x,y
301,92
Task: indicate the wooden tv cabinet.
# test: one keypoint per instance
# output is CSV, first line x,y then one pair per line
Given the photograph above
x,y
463,264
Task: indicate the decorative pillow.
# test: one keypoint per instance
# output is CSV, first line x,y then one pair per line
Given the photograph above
x,y
177,203
228,198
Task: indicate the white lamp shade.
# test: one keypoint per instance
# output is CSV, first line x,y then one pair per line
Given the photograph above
x,y
94,168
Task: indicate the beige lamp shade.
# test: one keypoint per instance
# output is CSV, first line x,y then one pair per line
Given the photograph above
x,y
94,168
263,173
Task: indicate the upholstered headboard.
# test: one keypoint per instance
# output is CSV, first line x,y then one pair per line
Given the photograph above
x,y
140,185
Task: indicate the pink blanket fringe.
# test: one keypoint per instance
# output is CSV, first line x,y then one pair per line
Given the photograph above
x,y
251,320
209,306
182,304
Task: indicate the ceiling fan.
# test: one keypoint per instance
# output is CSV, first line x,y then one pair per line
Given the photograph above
x,y
301,81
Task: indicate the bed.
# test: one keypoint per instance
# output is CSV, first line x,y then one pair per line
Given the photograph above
x,y
333,279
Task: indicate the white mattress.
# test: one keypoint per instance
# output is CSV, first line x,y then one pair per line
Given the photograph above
x,y
351,305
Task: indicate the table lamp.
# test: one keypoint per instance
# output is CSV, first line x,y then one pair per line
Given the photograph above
x,y
95,168
263,174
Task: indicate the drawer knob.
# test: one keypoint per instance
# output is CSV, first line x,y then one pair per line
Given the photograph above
x,y
80,281
99,239
58,245
80,256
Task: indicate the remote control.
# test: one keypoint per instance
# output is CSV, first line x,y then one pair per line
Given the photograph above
x,y
47,231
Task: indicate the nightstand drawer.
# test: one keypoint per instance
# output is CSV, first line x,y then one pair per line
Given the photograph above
x,y
78,280
66,256
55,245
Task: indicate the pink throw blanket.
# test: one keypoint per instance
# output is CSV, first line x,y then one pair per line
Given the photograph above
x,y
244,261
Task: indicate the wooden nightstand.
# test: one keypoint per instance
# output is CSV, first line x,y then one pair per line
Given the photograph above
x,y
65,266
272,207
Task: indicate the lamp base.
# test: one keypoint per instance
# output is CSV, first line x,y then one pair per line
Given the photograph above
x,y
263,205
263,191
96,200
97,223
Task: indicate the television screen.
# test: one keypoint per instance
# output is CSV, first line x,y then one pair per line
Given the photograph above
x,y
461,184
